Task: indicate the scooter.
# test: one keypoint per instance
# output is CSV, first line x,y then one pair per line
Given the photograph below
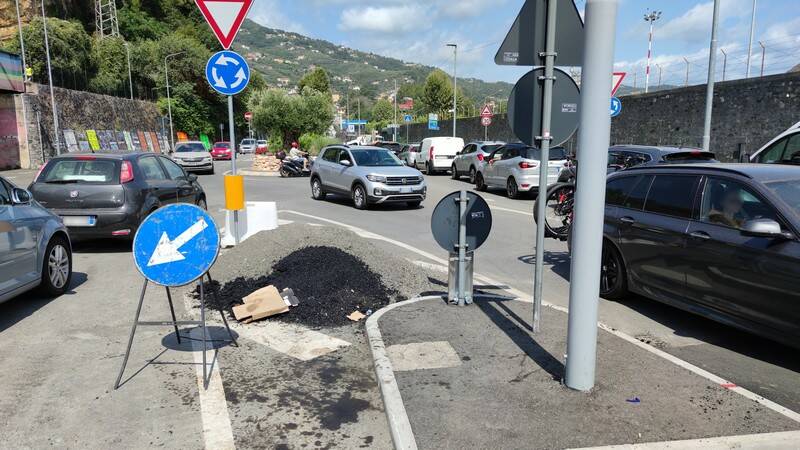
x,y
291,168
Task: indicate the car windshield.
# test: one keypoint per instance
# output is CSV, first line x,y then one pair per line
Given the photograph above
x,y
248,142
190,147
789,192
556,153
262,142
222,145
376,158
491,148
74,171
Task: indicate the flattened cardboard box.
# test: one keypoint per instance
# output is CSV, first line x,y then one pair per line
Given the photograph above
x,y
263,303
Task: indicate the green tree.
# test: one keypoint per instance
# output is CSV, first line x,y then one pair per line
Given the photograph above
x,y
437,95
317,79
277,113
189,112
112,66
382,114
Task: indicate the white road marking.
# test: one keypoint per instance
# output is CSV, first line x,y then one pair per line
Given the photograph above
x,y
423,356
217,429
767,441
786,412
515,211
292,340
282,222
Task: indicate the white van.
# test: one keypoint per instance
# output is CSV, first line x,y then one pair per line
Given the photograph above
x,y
784,149
437,154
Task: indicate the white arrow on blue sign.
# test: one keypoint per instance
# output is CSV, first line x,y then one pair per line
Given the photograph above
x,y
408,118
176,245
616,107
227,72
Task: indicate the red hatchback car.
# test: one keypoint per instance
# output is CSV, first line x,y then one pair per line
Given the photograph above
x,y
221,151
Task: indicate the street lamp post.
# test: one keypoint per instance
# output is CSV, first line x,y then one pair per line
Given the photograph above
x,y
650,17
169,99
50,79
455,86
130,77
752,33
21,44
660,71
724,63
394,128
712,64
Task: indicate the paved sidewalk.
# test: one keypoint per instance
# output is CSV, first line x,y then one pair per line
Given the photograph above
x,y
476,377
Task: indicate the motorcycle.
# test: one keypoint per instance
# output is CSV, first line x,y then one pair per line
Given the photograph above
x,y
291,168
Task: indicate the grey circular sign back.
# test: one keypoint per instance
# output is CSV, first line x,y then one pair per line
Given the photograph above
x,y
526,104
445,220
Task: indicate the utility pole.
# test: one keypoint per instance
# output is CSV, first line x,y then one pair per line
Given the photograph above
x,y
752,35
660,70
687,71
650,17
50,78
724,63
712,66
763,56
130,77
359,116
394,128
455,86
169,101
595,132
21,44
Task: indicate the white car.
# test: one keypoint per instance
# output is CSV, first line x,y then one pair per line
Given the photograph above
x,y
515,167
469,159
437,154
784,149
193,157
247,146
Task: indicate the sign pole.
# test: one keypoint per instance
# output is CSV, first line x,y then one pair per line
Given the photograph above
x,y
233,165
462,245
587,229
544,166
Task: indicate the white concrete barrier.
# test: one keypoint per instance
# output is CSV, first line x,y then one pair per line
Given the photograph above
x,y
256,217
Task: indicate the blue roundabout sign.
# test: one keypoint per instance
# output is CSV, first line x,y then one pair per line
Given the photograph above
x,y
227,72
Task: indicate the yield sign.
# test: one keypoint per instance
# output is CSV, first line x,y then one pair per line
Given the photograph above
x,y
616,82
224,17
487,111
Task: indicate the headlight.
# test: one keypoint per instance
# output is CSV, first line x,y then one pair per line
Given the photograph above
x,y
376,178
207,159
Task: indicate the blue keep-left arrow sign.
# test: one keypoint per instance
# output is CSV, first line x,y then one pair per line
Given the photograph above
x,y
616,107
227,72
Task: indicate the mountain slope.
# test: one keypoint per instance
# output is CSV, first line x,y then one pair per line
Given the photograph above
x,y
284,57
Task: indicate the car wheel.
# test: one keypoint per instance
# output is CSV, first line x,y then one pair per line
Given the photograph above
x,y
613,279
480,184
454,173
211,172
512,189
360,197
316,189
472,174
56,267
202,204
414,205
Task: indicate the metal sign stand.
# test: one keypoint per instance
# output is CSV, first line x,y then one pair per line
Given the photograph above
x,y
231,125
175,323
462,298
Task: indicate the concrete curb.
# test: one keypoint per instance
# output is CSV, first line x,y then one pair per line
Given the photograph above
x,y
399,425
253,173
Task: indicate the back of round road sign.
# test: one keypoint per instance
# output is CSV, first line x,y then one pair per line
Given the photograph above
x,y
445,221
176,245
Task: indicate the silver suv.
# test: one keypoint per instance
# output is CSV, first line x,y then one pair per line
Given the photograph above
x,y
471,157
368,175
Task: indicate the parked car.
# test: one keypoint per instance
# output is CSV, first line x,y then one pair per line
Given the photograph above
x,y
784,149
718,240
368,175
437,154
108,195
515,167
35,248
247,146
395,147
409,154
221,151
471,157
621,157
262,148
193,157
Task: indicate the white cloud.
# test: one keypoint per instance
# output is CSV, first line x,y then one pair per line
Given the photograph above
x,y
388,19
268,14
694,25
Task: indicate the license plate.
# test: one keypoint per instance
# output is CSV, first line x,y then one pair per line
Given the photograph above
x,y
406,190
80,221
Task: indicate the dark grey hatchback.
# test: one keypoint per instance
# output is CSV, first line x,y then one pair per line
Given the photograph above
x,y
719,240
108,195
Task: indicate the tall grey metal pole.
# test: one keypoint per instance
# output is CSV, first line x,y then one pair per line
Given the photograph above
x,y
455,87
232,132
394,128
130,76
587,232
752,36
169,100
712,68
544,160
462,246
50,79
21,45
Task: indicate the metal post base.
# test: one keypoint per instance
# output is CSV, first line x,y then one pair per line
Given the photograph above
x,y
175,324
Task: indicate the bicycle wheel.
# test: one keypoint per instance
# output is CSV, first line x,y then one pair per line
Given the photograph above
x,y
558,211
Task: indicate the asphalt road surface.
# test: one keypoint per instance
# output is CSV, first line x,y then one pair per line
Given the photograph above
x,y
50,348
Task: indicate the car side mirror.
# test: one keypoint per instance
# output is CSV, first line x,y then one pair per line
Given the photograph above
x,y
191,177
20,196
764,228
345,163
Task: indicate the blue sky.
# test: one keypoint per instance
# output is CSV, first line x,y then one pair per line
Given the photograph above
x,y
416,31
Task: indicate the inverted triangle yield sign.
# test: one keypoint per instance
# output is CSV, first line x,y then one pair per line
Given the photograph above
x,y
224,17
